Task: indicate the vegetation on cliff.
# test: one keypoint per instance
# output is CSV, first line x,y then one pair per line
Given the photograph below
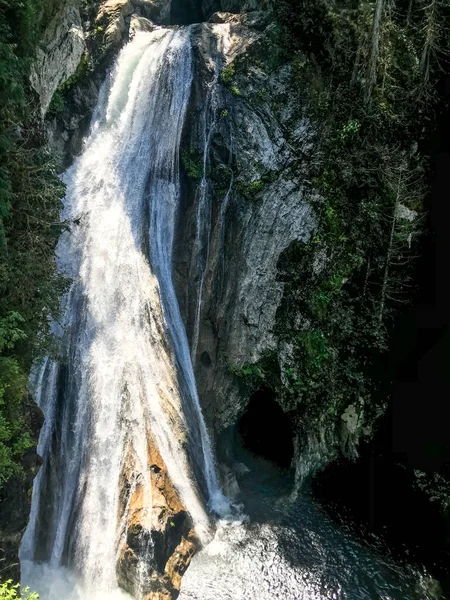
x,y
374,68
369,73
30,194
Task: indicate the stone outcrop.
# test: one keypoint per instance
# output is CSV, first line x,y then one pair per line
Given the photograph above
x,y
114,16
59,52
159,541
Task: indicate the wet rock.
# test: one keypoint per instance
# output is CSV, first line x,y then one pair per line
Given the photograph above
x,y
256,207
159,541
352,419
139,24
114,17
229,482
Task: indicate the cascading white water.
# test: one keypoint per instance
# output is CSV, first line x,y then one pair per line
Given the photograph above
x,y
210,119
127,367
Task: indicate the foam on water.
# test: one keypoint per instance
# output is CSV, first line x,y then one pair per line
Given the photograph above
x,y
127,369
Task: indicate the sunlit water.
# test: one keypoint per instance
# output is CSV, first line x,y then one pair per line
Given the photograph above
x,y
126,369
293,551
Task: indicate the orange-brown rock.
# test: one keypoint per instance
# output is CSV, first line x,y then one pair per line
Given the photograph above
x,y
159,539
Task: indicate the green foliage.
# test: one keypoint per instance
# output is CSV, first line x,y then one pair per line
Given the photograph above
x,y
57,104
10,591
261,178
342,290
192,161
248,371
30,194
59,98
256,186
228,78
83,70
250,190
253,376
228,74
221,177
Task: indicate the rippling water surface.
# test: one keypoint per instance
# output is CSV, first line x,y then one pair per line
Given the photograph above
x,y
293,551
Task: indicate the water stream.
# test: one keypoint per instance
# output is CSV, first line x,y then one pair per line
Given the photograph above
x,y
126,367
293,551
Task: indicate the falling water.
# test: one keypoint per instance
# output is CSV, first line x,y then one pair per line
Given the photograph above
x,y
210,121
126,369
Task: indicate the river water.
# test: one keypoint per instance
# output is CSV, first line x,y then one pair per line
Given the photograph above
x,y
291,550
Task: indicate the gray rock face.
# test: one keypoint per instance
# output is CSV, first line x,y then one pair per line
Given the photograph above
x,y
59,53
138,24
114,17
246,130
63,42
233,230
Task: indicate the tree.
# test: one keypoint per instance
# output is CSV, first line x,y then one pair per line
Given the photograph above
x,y
405,191
431,32
372,65
30,195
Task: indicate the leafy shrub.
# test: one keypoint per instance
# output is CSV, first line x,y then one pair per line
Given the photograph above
x,y
30,194
10,591
228,74
192,161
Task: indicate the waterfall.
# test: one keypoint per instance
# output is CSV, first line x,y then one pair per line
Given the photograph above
x,y
210,122
125,369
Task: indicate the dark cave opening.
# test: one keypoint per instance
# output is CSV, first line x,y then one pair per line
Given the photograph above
x,y
185,12
265,430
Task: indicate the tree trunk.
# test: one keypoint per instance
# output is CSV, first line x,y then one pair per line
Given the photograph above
x,y
374,50
409,15
389,255
430,34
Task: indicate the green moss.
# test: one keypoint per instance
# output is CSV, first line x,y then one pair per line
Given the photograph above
x,y
58,101
251,189
256,186
228,74
192,161
263,373
57,104
221,179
